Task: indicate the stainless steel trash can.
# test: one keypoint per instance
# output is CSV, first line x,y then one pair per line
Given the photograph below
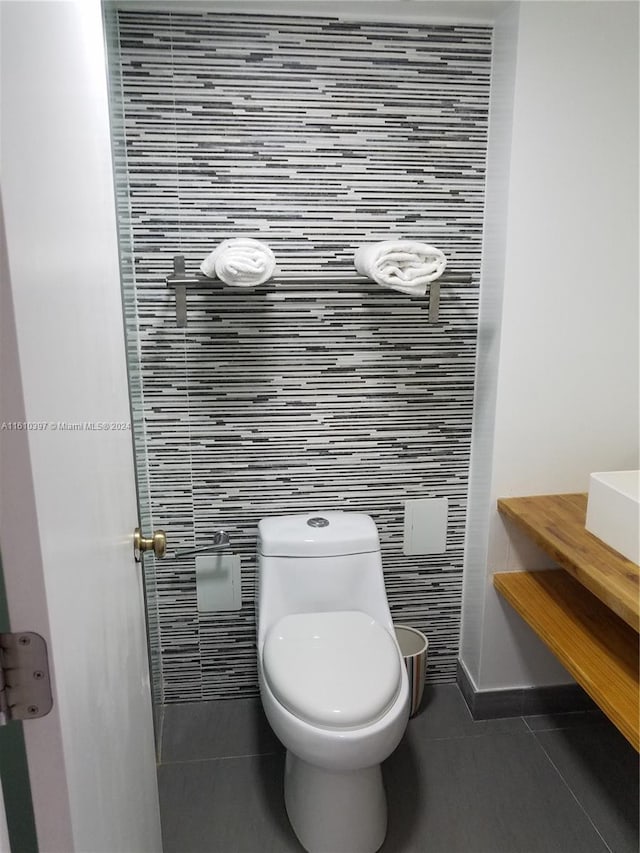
x,y
413,645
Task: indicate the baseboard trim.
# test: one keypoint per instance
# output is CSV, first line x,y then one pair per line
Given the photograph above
x,y
521,701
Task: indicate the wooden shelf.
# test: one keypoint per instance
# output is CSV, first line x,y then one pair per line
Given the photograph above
x,y
556,524
597,647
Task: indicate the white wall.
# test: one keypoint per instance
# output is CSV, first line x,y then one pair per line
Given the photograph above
x,y
566,389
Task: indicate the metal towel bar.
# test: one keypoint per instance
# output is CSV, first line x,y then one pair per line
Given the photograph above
x,y
180,281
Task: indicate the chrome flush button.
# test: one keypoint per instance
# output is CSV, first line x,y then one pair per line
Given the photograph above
x,y
318,521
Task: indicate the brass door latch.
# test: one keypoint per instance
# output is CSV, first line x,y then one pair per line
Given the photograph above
x,y
156,543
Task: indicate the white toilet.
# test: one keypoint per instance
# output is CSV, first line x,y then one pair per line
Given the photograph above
x,y
332,679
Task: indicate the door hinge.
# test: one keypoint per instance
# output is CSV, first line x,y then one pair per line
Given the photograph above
x,y
25,686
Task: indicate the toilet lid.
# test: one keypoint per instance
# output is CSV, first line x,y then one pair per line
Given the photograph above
x,y
338,670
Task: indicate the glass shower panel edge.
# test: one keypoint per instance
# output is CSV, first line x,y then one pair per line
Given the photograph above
x,y
130,319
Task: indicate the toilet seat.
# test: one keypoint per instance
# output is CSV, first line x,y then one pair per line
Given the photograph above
x,y
335,670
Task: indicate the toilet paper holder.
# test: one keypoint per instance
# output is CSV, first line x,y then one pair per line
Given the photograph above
x,y
219,543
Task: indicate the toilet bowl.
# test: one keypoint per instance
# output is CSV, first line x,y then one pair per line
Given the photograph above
x,y
332,680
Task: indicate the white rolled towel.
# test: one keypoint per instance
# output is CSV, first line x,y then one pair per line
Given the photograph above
x,y
241,261
405,265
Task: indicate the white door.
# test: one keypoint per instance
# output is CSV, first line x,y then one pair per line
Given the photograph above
x,y
68,508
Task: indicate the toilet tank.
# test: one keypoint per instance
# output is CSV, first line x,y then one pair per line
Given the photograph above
x,y
320,534
319,562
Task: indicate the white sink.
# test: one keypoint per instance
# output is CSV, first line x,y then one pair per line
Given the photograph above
x,y
613,511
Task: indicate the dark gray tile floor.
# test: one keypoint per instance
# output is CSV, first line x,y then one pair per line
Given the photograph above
x,y
566,783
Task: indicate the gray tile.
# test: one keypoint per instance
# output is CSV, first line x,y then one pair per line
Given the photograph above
x,y
444,714
494,794
491,704
494,704
230,805
601,769
487,705
557,699
545,722
216,729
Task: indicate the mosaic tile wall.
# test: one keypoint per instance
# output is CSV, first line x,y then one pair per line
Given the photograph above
x,y
315,135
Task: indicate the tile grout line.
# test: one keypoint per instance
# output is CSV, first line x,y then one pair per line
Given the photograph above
x,y
557,728
526,722
570,789
276,752
217,758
